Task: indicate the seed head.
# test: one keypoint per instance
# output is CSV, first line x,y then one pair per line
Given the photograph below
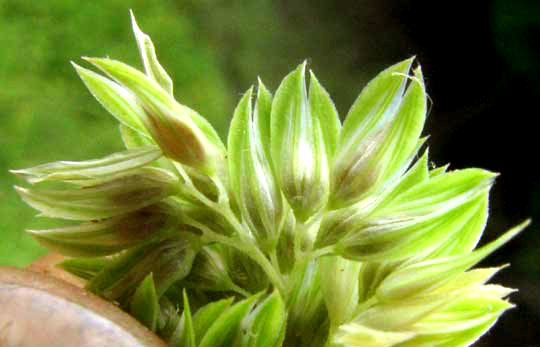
x,y
301,232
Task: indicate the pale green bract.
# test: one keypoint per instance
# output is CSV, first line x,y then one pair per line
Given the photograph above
x,y
301,232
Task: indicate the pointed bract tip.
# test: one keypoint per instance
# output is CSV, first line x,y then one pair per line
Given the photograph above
x,y
98,62
493,175
17,172
510,234
20,190
503,266
185,296
35,232
312,76
260,83
261,87
407,62
526,223
302,67
134,24
95,60
249,92
490,175
76,66
419,76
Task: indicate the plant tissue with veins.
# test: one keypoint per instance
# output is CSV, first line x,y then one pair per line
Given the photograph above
x,y
300,231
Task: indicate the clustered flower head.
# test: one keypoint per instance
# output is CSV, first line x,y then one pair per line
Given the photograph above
x,y
301,231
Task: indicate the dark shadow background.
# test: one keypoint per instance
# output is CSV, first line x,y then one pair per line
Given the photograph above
x,y
481,60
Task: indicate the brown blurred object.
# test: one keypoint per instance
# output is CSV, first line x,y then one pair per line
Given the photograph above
x,y
47,265
40,310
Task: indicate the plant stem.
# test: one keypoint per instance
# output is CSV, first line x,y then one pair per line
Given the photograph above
x,y
317,253
238,289
245,245
250,250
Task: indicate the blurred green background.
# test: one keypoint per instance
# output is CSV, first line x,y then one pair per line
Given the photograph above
x,y
481,61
